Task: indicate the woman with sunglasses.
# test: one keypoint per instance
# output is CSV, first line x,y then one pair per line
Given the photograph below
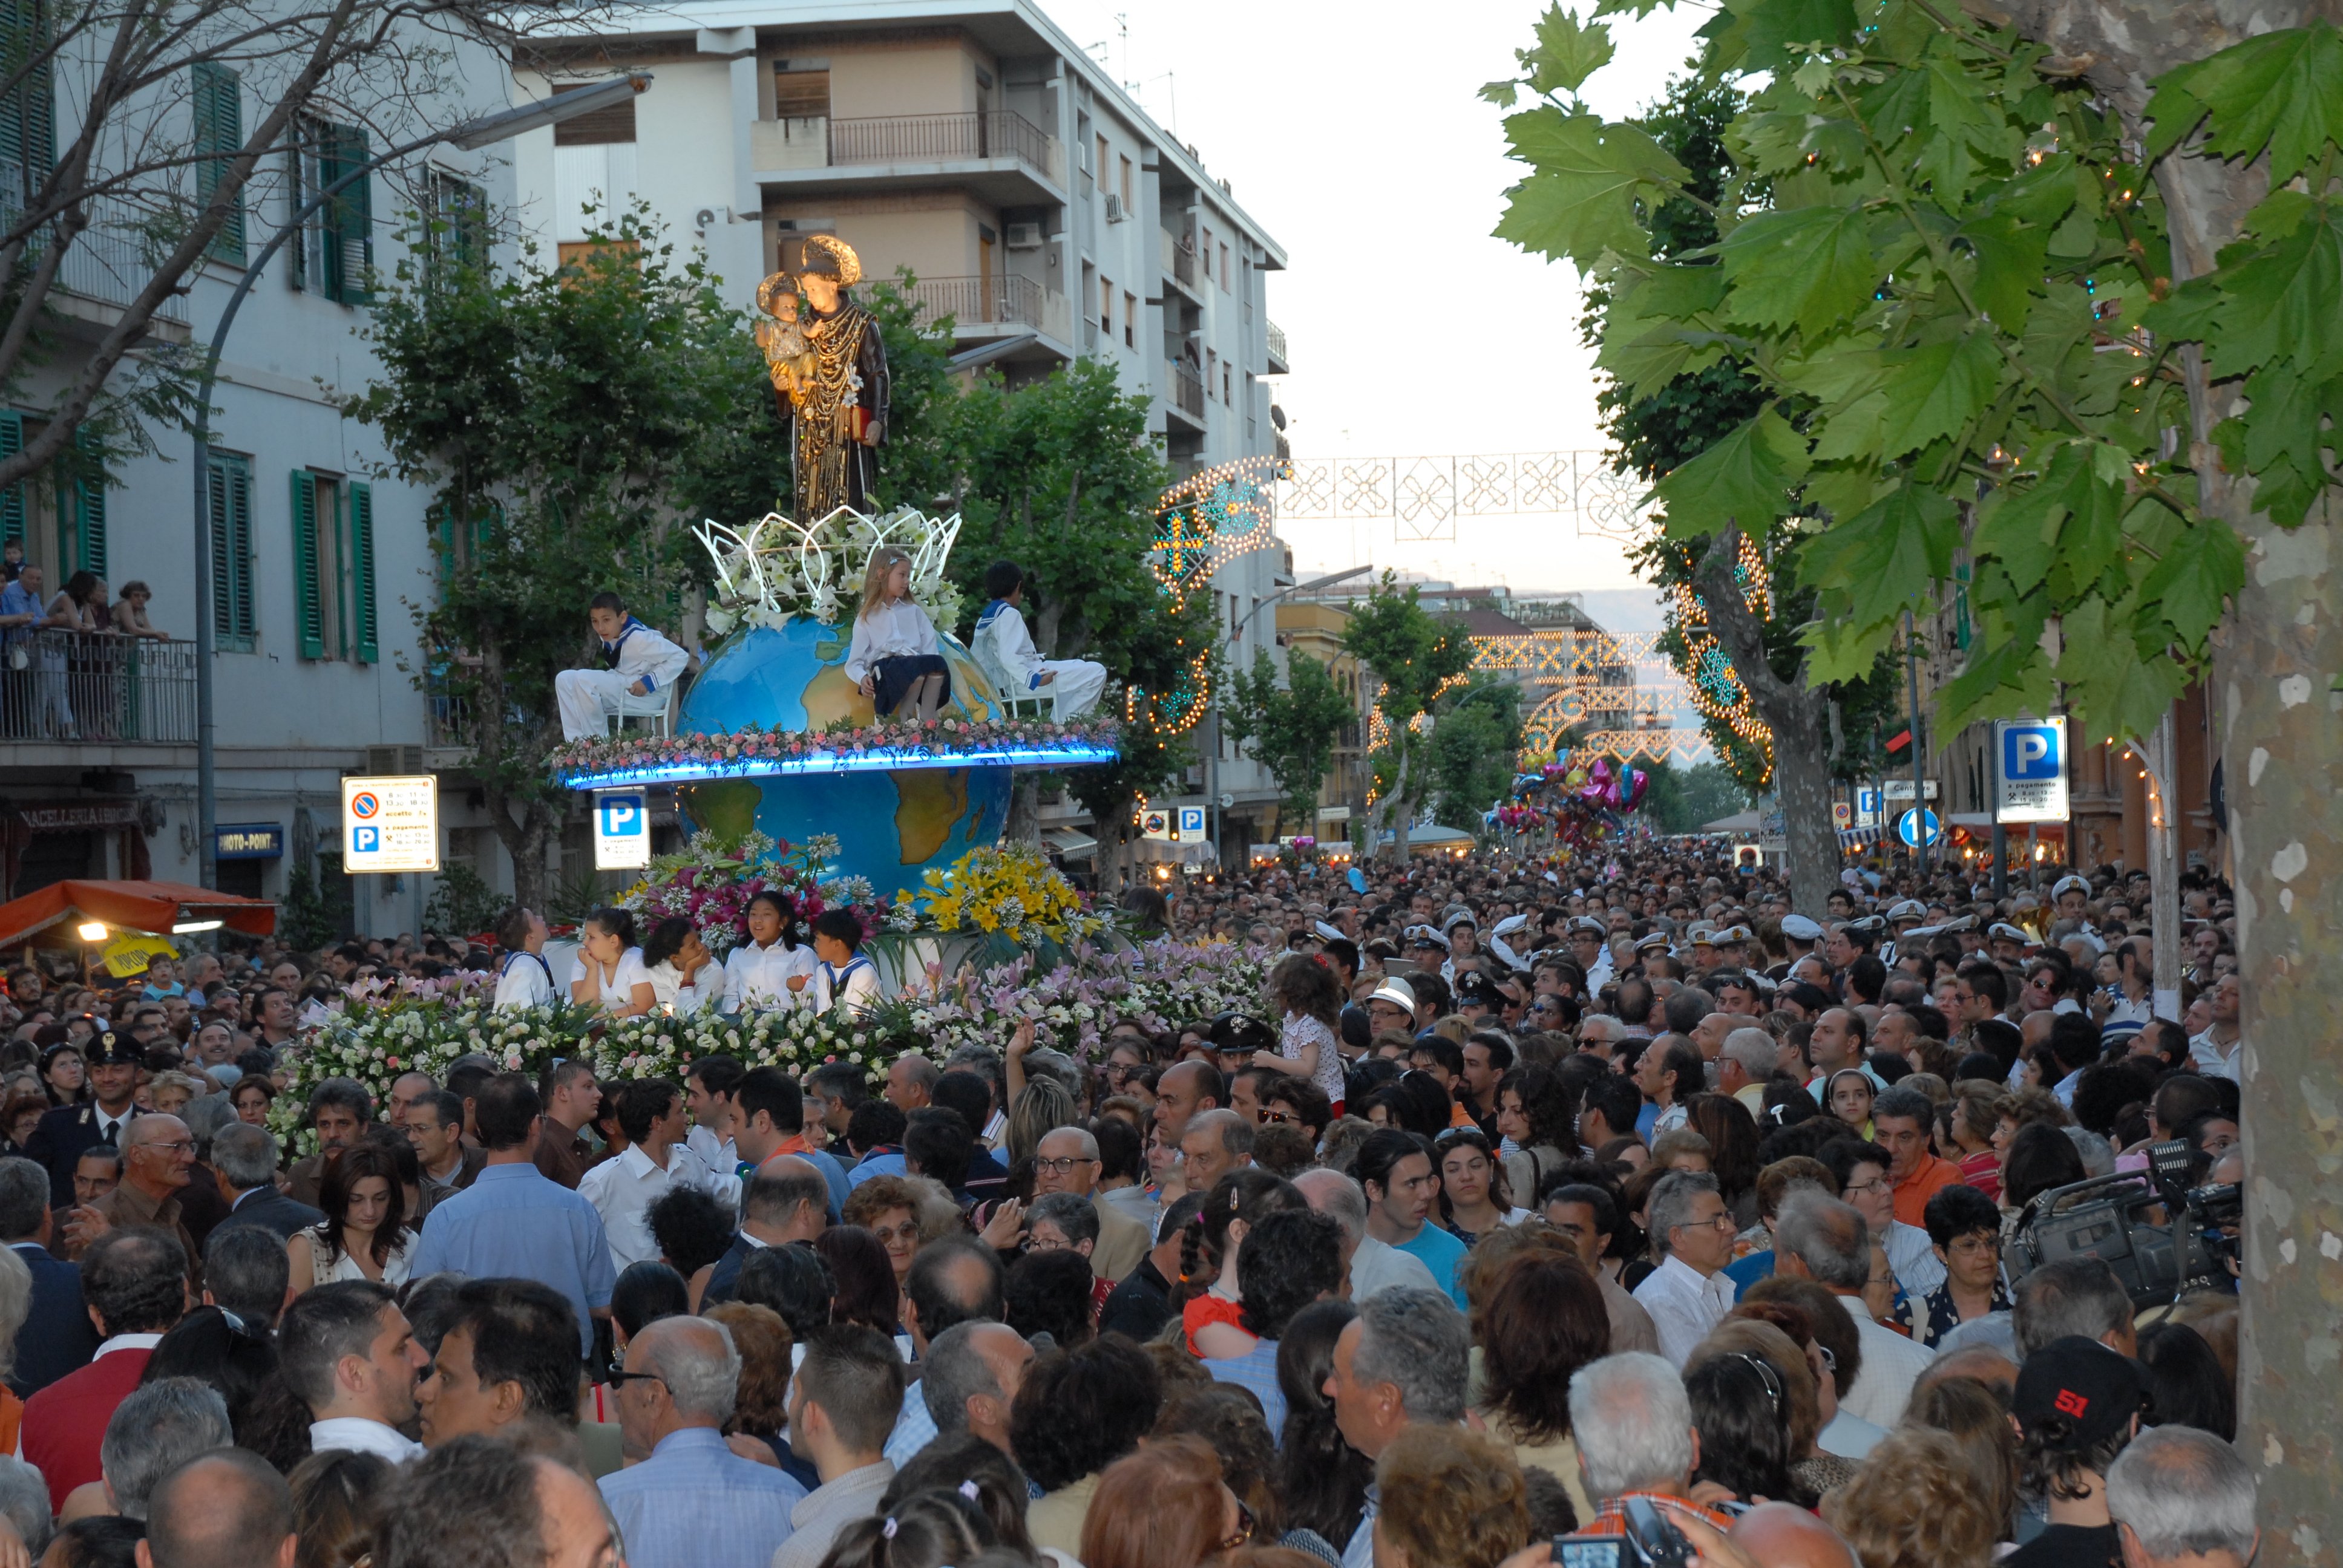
x,y
1473,1197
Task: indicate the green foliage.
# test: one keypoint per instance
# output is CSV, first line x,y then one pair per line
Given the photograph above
x,y
310,917
571,417
1953,305
1708,418
1414,655
1475,741
462,902
1292,730
1679,799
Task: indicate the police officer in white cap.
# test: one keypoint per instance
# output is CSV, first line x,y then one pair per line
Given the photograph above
x,y
1590,948
2070,895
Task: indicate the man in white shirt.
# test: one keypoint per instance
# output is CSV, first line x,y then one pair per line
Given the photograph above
x,y
1818,1238
2216,1051
1073,684
1688,1294
1375,1266
641,662
526,979
346,1353
622,1191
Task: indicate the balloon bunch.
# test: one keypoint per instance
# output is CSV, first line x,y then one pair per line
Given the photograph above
x,y
1581,804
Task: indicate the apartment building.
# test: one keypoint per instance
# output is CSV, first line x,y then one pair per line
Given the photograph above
x,y
315,557
974,143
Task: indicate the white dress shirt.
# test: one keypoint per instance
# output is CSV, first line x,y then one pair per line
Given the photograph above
x,y
2206,1053
623,1190
1684,1306
757,977
1891,1364
670,989
619,989
526,982
898,630
354,1431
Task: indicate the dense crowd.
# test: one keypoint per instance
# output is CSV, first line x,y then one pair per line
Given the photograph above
x,y
1617,1200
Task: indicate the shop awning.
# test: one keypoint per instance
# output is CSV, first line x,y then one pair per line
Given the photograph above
x,y
153,907
1071,843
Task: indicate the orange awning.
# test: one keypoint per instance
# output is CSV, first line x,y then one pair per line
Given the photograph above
x,y
153,907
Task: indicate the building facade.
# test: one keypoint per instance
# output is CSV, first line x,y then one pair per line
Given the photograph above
x,y
315,559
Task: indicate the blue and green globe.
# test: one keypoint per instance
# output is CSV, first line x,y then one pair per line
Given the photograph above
x,y
890,826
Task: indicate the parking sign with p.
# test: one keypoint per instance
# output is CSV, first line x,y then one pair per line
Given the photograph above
x,y
2030,781
622,831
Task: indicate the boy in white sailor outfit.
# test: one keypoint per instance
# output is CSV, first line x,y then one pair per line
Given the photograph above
x,y
642,662
1074,685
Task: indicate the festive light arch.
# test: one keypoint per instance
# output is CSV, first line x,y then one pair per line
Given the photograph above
x,y
1203,522
1716,691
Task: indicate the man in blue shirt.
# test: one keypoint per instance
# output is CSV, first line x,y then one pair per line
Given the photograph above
x,y
512,1223
1396,1171
692,1503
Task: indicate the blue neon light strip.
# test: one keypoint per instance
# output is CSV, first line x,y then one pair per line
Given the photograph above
x,y
835,762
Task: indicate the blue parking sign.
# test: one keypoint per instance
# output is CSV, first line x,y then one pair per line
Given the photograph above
x,y
622,831
1191,823
2030,783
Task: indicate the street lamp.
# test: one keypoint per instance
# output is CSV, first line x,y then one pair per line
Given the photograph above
x,y
470,135
1213,757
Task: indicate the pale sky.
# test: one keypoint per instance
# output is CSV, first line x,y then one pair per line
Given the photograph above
x,y
1353,133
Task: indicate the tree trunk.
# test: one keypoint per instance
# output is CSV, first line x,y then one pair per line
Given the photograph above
x,y
2283,760
1024,826
1795,715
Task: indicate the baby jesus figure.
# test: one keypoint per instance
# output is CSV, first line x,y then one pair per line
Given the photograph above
x,y
788,358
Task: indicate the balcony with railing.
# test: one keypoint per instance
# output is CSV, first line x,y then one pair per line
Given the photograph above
x,y
76,688
988,307
1187,390
793,146
1179,262
107,266
1277,362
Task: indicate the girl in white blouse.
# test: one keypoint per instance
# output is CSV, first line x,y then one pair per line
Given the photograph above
x,y
772,968
894,653
610,969
683,973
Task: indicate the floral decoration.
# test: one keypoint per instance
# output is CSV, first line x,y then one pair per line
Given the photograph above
x,y
712,880
907,740
1011,890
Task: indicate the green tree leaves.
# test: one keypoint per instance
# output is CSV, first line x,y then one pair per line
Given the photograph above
x,y
1291,728
1810,267
1937,294
1745,479
2282,92
1583,199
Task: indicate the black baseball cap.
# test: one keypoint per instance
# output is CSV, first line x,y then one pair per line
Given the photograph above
x,y
2075,1393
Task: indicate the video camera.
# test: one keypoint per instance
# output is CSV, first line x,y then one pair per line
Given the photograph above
x,y
2162,1238
1649,1541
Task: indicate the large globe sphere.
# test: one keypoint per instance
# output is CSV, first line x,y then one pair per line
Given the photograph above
x,y
890,826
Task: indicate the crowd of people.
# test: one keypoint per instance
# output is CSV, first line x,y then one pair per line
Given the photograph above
x,y
1528,1202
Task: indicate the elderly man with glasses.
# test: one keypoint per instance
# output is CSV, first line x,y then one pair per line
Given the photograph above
x,y
1067,1161
156,1153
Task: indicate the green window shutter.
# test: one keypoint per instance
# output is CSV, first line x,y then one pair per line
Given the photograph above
x,y
28,129
308,605
217,100
349,218
297,253
235,626
81,514
12,499
361,514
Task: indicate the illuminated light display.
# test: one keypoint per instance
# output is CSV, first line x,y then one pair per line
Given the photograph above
x,y
1067,756
1202,523
1715,692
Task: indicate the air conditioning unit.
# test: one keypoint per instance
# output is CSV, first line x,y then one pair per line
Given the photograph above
x,y
1115,211
391,761
1024,236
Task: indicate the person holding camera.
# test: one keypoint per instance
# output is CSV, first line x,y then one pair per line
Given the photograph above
x,y
1636,1442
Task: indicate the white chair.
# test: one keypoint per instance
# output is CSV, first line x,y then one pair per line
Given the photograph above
x,y
655,708
1015,702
